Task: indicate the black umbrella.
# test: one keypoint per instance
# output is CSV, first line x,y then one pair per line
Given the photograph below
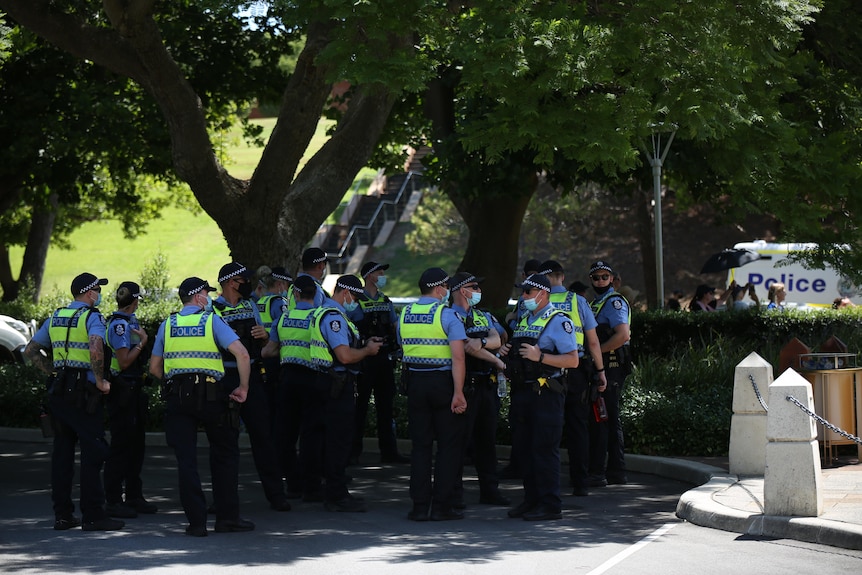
x,y
728,259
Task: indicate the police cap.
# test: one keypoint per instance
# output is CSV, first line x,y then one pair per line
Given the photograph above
x,y
371,267
312,256
193,285
85,282
535,281
432,277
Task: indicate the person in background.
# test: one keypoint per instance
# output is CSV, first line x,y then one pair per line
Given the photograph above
x,y
187,358
736,297
704,299
842,302
70,348
376,317
674,302
776,295
127,407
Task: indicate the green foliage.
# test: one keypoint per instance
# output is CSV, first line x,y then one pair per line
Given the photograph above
x,y
155,279
438,228
22,393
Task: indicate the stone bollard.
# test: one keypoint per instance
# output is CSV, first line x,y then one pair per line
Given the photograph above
x,y
792,481
748,423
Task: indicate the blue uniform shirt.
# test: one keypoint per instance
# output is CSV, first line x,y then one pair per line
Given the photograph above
x,y
120,331
614,312
558,335
95,326
588,320
334,332
319,295
452,326
224,335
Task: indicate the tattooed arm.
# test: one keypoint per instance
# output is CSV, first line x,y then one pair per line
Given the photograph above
x,y
39,356
97,363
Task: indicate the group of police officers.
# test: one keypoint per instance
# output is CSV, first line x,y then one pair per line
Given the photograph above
x,y
297,366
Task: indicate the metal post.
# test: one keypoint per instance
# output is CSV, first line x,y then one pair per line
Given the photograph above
x,y
656,161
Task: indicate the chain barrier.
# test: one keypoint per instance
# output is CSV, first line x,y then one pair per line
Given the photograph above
x,y
810,413
822,421
757,393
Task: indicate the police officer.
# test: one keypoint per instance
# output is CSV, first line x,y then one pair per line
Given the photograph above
x,y
336,350
187,355
313,265
606,438
273,284
513,317
583,383
480,388
290,344
376,317
69,347
432,339
542,348
235,307
127,407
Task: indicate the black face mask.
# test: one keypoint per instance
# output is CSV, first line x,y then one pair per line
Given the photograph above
x,y
244,290
602,290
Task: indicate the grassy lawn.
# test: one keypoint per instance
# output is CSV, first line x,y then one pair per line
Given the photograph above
x,y
192,243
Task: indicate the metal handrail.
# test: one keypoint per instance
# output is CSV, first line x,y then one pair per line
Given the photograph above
x,y
354,230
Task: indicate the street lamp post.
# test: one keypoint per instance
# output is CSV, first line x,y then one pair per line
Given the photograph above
x,y
656,160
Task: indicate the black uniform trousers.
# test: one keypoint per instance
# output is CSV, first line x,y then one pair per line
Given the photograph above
x,y
181,433
326,434
127,420
483,407
293,380
607,446
72,424
578,412
429,411
377,377
537,436
255,413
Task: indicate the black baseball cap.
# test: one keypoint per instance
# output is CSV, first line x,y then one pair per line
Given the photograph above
x,y
461,279
193,285
538,281
601,265
550,267
351,283
305,285
371,267
127,291
279,273
231,270
85,282
432,277
312,256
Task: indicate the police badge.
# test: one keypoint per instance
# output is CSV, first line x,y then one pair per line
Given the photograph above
x,y
567,325
119,329
335,325
618,303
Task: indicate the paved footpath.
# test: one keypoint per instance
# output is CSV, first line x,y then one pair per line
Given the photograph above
x,y
660,490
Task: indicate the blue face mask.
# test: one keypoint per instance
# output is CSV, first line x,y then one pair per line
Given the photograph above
x,y
475,298
531,304
445,298
98,299
381,281
209,305
349,307
284,294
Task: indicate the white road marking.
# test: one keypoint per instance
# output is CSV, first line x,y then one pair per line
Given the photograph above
x,y
634,548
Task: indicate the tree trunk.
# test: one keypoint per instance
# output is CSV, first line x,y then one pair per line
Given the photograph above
x,y
35,254
494,222
270,218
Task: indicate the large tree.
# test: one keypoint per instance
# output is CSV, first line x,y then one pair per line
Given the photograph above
x,y
269,218
575,89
